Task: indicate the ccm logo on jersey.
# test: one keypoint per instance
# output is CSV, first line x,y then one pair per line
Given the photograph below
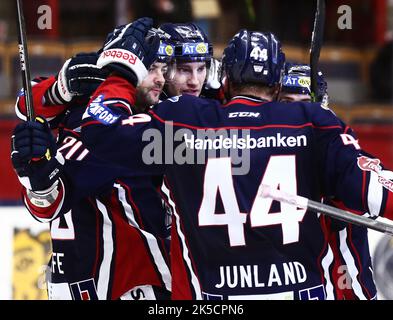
x,y
98,111
244,115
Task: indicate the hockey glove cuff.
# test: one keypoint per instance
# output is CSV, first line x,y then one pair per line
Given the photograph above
x,y
79,76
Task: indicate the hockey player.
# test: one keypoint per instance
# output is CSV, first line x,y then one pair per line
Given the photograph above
x,y
352,270
108,228
193,67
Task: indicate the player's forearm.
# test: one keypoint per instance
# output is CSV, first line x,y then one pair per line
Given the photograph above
x,y
43,105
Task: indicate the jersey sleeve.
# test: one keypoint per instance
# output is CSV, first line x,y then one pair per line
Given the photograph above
x,y
83,176
42,106
356,179
113,133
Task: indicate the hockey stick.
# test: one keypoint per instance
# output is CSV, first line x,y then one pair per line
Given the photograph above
x,y
24,62
316,45
346,216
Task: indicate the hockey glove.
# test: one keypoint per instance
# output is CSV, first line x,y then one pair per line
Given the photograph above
x,y
130,50
79,76
34,155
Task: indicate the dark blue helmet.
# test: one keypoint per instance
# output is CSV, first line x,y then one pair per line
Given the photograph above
x,y
297,79
253,57
165,51
187,41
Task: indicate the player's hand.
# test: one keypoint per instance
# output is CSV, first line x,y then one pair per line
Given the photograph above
x,y
34,155
79,76
130,50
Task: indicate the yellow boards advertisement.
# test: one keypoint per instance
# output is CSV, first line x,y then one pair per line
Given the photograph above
x,y
25,250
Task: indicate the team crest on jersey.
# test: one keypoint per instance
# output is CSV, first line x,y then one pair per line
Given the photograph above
x,y
98,111
368,164
385,177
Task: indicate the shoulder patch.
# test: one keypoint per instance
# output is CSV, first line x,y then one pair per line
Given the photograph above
x,y
98,111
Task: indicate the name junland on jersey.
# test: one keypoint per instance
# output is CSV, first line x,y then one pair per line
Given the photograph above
x,y
247,276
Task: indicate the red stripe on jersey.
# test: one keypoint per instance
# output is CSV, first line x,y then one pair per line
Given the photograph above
x,y
38,91
342,206
47,212
133,265
324,248
364,189
337,262
115,87
181,289
180,124
73,132
358,260
245,102
133,204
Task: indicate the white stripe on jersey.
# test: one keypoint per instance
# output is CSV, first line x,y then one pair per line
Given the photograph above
x,y
374,195
159,260
105,267
326,263
194,279
350,262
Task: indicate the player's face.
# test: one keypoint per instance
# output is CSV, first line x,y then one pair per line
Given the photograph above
x,y
294,97
188,79
148,92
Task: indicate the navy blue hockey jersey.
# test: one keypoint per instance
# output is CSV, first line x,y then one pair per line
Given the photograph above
x,y
107,227
228,242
